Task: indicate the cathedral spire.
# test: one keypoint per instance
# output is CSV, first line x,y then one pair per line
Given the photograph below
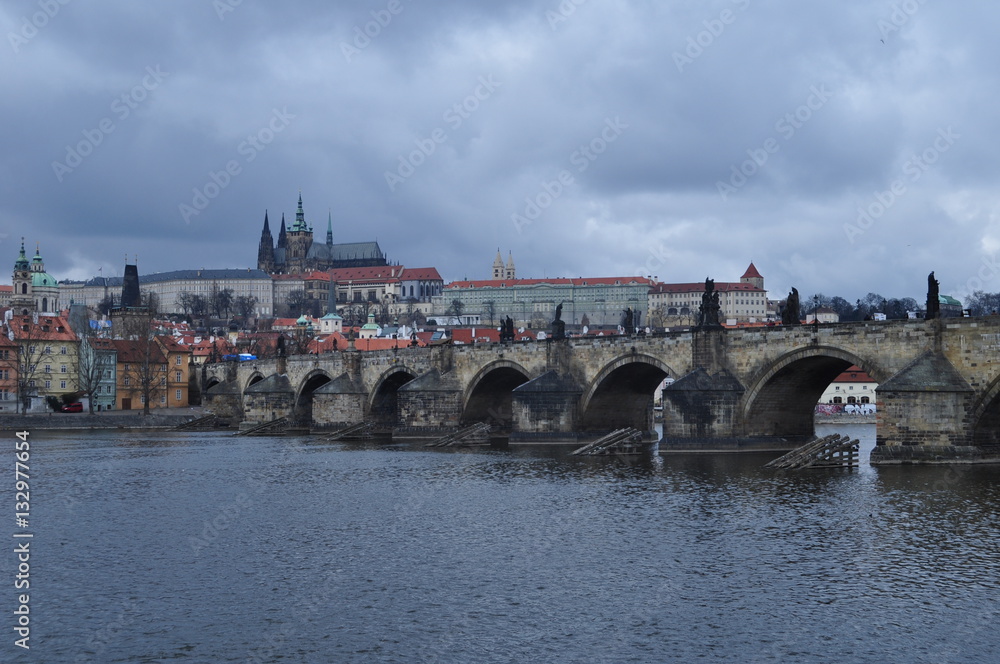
x,y
300,217
329,229
265,251
282,240
498,266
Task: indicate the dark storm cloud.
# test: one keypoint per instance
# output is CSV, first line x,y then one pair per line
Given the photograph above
x,y
675,139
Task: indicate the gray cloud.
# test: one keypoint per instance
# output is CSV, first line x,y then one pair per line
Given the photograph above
x,y
700,88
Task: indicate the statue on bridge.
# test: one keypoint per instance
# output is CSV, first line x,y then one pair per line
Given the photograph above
x,y
708,313
628,322
558,324
790,314
507,329
933,302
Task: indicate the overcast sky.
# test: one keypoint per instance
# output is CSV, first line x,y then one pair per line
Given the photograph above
x,y
590,138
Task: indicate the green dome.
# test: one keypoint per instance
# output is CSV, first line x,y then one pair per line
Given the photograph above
x,y
43,279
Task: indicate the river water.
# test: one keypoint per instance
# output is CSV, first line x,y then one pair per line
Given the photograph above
x,y
202,547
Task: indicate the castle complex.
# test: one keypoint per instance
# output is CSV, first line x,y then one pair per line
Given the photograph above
x,y
296,253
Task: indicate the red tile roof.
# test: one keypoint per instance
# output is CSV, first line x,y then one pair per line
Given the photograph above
x,y
854,374
699,287
134,351
420,273
382,273
751,273
49,328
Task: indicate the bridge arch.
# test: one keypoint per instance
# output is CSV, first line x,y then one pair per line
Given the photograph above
x,y
302,413
255,378
985,416
621,395
383,402
781,398
489,395
211,382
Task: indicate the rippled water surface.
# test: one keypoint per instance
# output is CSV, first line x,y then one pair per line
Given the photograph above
x,y
163,547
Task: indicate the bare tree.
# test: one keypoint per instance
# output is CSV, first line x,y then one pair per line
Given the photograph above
x,y
296,302
490,310
245,306
97,360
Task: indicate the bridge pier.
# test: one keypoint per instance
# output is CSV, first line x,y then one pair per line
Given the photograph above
x,y
428,405
922,415
546,410
269,399
339,403
701,406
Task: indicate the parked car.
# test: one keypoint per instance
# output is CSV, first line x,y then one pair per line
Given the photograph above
x,y
73,408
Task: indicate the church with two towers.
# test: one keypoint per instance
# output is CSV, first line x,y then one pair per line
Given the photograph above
x,y
296,253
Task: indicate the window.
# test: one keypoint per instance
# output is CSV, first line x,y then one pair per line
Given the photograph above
x,y
838,400
163,399
127,381
178,376
48,368
178,360
48,384
62,385
177,395
62,350
48,350
126,366
142,398
865,400
62,368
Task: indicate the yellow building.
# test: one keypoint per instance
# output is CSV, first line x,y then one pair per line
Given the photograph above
x,y
178,371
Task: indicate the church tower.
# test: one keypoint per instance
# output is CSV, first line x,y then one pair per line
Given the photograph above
x,y
265,252
35,289
510,272
22,301
498,267
329,230
299,240
752,277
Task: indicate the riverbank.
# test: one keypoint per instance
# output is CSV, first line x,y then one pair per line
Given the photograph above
x,y
159,418
844,418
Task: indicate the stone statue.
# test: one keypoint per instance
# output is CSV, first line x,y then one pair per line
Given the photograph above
x,y
558,324
708,313
280,346
790,314
933,303
628,322
507,329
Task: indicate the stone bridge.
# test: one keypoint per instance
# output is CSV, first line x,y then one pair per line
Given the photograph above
x,y
750,388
